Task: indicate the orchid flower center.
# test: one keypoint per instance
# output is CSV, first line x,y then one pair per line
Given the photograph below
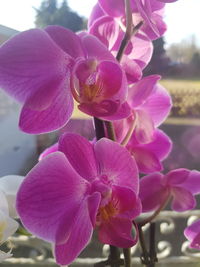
x,y
107,212
87,84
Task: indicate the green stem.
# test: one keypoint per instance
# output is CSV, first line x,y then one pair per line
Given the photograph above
x,y
110,130
127,257
155,214
145,255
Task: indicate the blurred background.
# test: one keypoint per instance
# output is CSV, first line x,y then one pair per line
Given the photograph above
x,y
176,57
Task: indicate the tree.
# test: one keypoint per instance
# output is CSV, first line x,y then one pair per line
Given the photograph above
x,y
160,61
50,14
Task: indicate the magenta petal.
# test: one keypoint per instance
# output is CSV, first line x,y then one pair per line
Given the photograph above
x,y
192,183
182,199
117,164
122,112
49,197
132,69
79,151
81,233
161,145
32,67
96,13
114,8
158,105
117,232
106,30
192,233
146,160
95,49
140,91
49,119
152,192
126,202
177,177
144,130
67,40
48,151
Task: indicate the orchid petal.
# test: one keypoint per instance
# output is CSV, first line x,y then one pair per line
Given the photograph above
x,y
182,199
192,183
152,196
146,160
158,105
48,151
117,232
116,163
140,91
32,68
80,235
50,119
67,40
80,154
50,195
192,232
144,130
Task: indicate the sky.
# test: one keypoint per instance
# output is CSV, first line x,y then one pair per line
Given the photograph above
x,y
182,17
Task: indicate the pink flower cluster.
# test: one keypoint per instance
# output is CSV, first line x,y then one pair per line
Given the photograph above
x,y
79,186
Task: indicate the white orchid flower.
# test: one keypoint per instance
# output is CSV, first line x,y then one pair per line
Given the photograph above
x,y
9,186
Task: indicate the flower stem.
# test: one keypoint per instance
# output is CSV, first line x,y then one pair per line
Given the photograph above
x,y
127,257
152,246
130,132
110,130
145,255
153,216
99,128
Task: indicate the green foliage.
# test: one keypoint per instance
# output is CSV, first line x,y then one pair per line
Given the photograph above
x,y
50,14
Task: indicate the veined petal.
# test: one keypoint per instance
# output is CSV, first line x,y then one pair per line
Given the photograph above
x,y
152,196
114,8
161,145
96,13
48,151
32,67
50,196
177,177
146,160
140,91
106,30
116,163
158,105
144,130
192,232
81,232
95,49
182,199
192,183
117,232
50,119
67,40
80,153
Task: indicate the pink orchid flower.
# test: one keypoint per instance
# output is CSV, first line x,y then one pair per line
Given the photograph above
x,y
79,188
180,185
192,233
150,104
148,11
149,156
136,55
36,68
